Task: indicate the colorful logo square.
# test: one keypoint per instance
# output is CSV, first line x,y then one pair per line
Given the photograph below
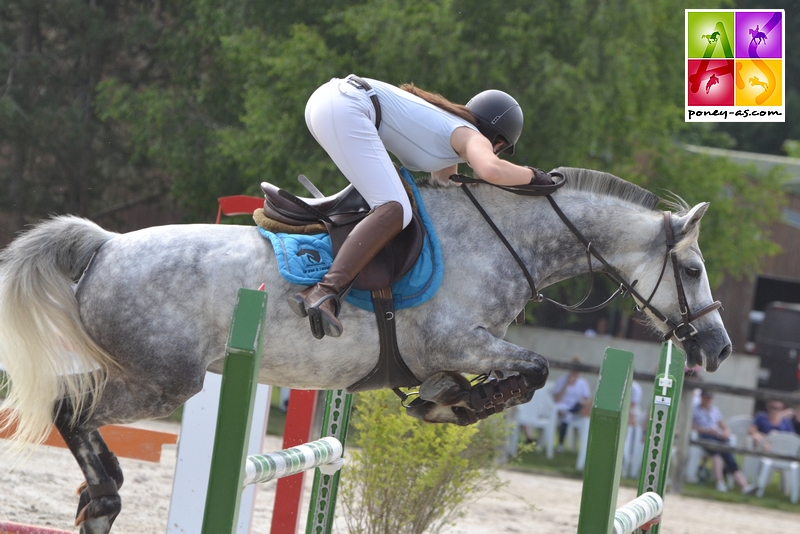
x,y
708,34
759,82
759,34
711,82
735,65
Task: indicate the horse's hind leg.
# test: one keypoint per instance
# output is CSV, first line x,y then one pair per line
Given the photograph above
x,y
99,502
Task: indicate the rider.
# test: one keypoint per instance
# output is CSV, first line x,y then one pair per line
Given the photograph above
x,y
358,122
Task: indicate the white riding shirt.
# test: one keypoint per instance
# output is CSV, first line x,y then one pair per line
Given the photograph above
x,y
341,117
417,132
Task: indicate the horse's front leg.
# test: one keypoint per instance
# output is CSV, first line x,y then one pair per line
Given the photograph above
x,y
99,502
450,398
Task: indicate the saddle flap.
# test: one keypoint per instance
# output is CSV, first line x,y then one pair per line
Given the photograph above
x,y
392,262
284,207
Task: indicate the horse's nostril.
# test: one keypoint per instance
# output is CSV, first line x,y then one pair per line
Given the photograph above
x,y
726,351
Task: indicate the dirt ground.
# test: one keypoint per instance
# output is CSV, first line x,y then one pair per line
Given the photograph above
x,y
41,492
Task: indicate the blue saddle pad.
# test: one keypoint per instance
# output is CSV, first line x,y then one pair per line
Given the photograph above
x,y
304,260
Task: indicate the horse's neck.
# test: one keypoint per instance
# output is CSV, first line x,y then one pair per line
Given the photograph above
x,y
624,234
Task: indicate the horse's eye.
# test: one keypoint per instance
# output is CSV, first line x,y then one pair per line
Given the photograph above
x,y
692,272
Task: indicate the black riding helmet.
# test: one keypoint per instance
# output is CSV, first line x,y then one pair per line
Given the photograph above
x,y
499,115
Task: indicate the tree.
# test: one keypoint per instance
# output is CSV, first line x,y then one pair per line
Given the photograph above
x,y
205,98
55,155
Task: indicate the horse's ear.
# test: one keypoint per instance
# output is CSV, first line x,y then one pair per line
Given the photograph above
x,y
688,222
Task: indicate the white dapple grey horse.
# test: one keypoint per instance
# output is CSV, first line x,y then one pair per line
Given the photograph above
x,y
151,309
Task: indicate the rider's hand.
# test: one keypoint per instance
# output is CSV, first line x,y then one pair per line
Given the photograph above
x,y
540,177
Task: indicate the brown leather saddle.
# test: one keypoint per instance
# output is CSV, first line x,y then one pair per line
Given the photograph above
x,y
339,214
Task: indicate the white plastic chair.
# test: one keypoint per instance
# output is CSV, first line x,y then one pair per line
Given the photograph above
x,y
740,437
786,443
694,457
540,413
634,447
578,427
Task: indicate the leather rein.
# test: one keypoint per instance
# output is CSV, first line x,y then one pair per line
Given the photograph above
x,y
682,331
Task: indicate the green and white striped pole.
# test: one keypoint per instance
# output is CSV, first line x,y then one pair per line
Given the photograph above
x,y
265,467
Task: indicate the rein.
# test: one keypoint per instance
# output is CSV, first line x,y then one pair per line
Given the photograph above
x,y
683,331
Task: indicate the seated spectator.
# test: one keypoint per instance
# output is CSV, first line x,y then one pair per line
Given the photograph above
x,y
601,329
572,396
707,420
796,419
774,419
636,401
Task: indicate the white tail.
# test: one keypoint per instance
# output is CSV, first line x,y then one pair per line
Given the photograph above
x,y
43,345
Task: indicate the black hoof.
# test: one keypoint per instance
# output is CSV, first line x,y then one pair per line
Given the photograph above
x,y
98,516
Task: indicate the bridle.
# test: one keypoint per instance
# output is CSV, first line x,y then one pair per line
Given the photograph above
x,y
683,331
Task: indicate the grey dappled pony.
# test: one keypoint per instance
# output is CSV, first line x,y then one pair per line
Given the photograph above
x,y
152,308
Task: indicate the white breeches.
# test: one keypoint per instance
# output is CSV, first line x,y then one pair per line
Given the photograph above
x,y
342,120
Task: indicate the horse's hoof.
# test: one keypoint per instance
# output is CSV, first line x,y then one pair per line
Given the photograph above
x,y
446,388
99,514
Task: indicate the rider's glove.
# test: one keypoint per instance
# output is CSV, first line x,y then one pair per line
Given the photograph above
x,y
540,177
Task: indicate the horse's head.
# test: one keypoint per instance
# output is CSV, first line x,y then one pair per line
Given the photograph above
x,y
696,326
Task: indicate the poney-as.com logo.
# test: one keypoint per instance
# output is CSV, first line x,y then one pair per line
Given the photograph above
x,y
735,65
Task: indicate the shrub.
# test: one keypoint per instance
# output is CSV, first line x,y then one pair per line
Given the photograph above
x,y
406,476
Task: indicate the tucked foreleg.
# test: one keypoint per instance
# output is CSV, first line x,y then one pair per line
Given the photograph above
x,y
448,397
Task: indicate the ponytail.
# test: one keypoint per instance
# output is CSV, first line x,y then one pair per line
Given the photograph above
x,y
441,102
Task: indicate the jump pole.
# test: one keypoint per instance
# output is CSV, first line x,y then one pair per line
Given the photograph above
x,y
608,423
326,482
237,398
19,528
231,468
289,490
667,390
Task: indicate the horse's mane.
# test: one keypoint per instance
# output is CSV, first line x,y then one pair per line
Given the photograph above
x,y
603,183
597,182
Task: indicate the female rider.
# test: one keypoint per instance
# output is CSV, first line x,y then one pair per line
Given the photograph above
x,y
358,122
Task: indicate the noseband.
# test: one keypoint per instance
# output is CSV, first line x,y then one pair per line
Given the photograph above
x,y
683,331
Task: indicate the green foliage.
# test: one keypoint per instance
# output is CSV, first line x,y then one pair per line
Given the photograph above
x,y
199,99
407,476
792,148
743,202
58,157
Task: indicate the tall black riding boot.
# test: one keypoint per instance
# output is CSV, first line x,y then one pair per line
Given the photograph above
x,y
321,302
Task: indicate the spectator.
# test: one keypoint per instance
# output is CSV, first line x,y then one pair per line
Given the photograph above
x,y
693,373
601,329
774,419
636,402
796,418
572,396
707,420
